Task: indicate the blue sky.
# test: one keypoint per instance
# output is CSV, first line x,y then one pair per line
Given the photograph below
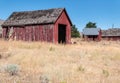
x,y
104,12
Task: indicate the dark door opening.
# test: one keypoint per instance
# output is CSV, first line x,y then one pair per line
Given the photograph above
x,y
61,33
93,37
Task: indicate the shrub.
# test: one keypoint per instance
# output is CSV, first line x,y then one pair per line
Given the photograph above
x,y
74,32
5,55
51,49
44,79
12,69
80,68
106,73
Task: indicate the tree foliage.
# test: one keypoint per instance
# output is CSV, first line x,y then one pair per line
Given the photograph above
x,y
74,32
91,25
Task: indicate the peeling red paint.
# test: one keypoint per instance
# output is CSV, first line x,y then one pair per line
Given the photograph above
x,y
44,32
63,19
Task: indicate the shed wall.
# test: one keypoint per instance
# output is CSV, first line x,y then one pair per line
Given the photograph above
x,y
31,33
111,38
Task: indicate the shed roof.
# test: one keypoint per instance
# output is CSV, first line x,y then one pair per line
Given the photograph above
x,y
111,32
34,17
91,31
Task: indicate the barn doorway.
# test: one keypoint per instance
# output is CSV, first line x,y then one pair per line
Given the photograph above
x,y
61,33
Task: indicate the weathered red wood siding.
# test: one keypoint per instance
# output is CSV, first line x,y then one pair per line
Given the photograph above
x,y
99,36
32,33
44,32
111,38
63,19
92,38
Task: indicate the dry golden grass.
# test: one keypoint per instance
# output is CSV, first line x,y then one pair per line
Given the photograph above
x,y
84,62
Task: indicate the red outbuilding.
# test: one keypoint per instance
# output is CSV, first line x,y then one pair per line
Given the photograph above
x,y
112,34
92,34
52,25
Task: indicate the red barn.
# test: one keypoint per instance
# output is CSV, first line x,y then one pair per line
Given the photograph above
x,y
112,34
52,25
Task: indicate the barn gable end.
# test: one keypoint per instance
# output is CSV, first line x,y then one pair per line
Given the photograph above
x,y
64,20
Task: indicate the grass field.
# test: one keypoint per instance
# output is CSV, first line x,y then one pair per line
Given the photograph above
x,y
84,62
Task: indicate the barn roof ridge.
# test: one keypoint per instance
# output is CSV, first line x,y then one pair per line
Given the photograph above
x,y
33,17
37,10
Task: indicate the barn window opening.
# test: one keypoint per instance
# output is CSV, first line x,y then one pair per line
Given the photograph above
x,y
61,33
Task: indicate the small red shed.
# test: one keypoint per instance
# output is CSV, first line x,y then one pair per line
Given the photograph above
x,y
92,34
52,25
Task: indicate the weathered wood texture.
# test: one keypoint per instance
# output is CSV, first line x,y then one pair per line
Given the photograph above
x,y
112,34
39,32
63,19
111,38
31,33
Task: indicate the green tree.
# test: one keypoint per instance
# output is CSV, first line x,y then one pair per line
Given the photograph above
x,y
91,25
74,32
